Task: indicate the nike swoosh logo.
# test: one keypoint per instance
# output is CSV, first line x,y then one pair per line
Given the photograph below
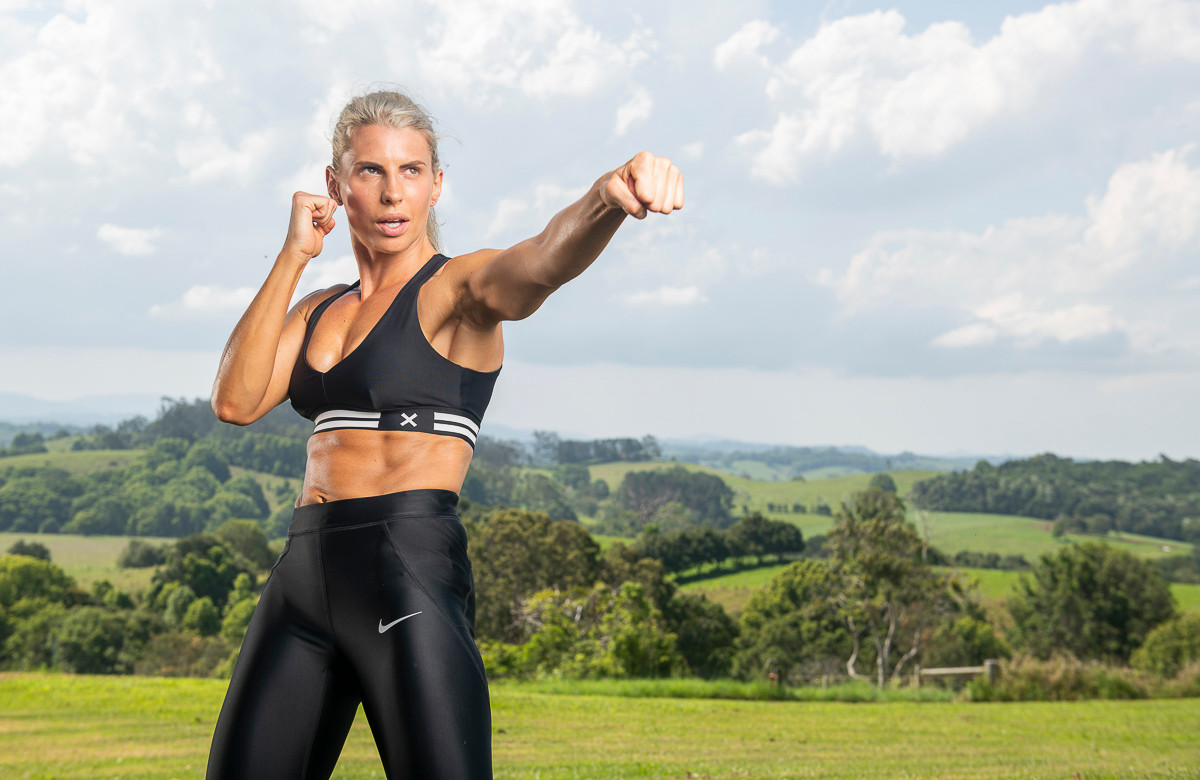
x,y
383,628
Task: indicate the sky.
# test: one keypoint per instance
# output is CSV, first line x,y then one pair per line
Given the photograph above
x,y
930,226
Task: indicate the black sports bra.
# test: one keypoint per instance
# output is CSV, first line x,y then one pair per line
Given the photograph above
x,y
394,380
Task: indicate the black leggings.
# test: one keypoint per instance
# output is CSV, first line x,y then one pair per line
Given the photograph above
x,y
371,601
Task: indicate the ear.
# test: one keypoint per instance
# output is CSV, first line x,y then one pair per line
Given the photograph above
x,y
437,186
331,184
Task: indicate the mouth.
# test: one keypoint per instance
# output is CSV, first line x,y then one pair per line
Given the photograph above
x,y
392,226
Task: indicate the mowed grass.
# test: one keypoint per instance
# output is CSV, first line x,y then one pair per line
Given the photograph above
x,y
89,558
54,726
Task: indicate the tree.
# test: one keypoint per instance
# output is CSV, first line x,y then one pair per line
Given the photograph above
x,y
705,634
92,640
597,632
645,492
1091,600
201,617
886,593
884,482
141,555
22,577
538,493
233,627
517,553
791,622
31,549
247,539
1170,646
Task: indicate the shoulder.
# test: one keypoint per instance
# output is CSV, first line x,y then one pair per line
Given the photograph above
x,y
462,267
304,307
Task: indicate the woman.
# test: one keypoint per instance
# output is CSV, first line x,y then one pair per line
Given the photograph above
x,y
372,598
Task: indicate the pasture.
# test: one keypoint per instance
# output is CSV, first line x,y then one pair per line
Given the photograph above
x,y
87,727
89,558
733,591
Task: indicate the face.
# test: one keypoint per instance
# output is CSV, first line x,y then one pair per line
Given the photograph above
x,y
388,186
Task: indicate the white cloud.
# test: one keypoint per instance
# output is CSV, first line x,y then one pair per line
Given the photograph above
x,y
694,150
129,241
210,159
862,78
636,110
1126,268
203,301
95,81
531,214
744,44
321,274
665,296
206,299
539,48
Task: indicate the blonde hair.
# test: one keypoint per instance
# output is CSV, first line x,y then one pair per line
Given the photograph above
x,y
388,109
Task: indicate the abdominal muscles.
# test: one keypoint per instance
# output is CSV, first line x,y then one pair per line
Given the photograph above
x,y
353,463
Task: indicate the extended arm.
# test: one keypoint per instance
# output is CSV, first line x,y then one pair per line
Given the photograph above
x,y
258,358
513,283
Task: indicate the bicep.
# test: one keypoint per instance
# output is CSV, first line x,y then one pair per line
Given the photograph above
x,y
501,285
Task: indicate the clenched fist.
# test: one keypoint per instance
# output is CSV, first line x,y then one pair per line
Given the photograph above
x,y
645,183
310,222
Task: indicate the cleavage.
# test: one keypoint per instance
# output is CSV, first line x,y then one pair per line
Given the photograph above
x,y
322,347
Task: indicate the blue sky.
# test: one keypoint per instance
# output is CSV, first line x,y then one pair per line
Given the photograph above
x,y
938,226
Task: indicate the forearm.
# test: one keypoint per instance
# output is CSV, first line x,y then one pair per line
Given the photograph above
x,y
512,284
248,361
573,239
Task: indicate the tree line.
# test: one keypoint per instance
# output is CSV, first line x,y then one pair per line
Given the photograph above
x,y
1159,498
551,602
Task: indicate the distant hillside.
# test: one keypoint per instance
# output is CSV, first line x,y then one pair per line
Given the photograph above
x,y
1159,498
785,463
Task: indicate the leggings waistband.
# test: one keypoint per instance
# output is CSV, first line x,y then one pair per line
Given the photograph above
x,y
368,509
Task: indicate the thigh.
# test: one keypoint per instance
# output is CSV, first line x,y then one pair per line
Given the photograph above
x,y
291,701
424,689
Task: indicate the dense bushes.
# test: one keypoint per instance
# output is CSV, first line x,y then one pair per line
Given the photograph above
x,y
1090,600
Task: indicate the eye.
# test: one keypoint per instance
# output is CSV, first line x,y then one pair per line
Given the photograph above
x,y
373,169
413,170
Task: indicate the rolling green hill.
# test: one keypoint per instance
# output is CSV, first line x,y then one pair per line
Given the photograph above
x,y
733,591
83,462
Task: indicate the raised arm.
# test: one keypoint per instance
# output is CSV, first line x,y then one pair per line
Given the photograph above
x,y
511,284
257,362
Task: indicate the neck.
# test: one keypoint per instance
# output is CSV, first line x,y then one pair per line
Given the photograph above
x,y
377,270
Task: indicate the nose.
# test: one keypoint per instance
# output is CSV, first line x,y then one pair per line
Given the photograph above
x,y
391,190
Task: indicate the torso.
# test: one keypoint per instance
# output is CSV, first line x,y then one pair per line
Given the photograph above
x,y
349,463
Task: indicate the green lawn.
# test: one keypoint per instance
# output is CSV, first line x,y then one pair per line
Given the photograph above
x,y
87,727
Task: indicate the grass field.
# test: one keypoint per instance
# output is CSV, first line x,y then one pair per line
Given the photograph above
x,y
89,558
733,591
82,462
89,727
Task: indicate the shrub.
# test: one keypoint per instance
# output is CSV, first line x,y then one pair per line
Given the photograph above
x,y
202,617
233,627
32,549
1170,646
176,654
1061,678
141,555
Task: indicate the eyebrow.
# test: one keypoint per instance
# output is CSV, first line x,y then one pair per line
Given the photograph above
x,y
370,163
